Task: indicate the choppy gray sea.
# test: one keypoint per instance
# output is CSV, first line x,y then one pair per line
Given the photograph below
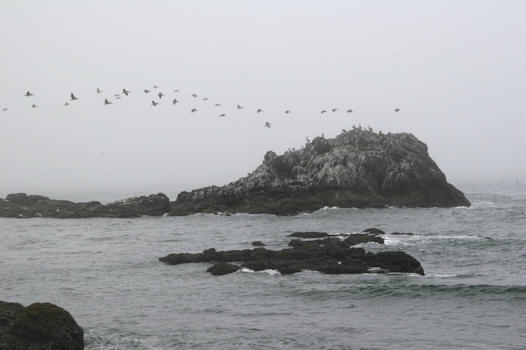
x,y
106,273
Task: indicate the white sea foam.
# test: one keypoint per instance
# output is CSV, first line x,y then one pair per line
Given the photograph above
x,y
268,271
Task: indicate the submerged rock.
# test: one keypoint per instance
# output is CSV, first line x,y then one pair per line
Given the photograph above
x,y
258,244
330,255
309,234
358,168
20,205
374,231
40,326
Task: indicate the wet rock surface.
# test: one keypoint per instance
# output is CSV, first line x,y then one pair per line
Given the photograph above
x,y
358,168
40,326
330,255
21,205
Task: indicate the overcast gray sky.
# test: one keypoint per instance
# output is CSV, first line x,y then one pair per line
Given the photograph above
x,y
455,68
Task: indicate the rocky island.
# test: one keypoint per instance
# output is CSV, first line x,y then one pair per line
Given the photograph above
x,y
358,168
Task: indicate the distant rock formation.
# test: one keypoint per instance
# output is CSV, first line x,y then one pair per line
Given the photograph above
x,y
20,205
40,326
329,255
358,168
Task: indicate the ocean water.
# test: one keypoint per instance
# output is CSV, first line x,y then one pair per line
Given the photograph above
x,y
106,273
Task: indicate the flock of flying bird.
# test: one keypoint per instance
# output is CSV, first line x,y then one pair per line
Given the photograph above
x,y
160,95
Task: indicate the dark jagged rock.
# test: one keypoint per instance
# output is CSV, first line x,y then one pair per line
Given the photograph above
x,y
374,231
222,268
20,205
258,244
309,234
358,168
329,255
403,233
40,326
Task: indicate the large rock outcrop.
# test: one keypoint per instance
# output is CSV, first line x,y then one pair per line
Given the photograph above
x,y
358,168
40,326
20,205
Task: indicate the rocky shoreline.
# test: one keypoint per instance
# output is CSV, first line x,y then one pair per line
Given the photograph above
x,y
358,168
39,326
321,252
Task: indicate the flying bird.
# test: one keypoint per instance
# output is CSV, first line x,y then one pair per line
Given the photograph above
x,y
73,97
155,86
267,124
259,110
66,104
323,111
160,94
239,107
217,104
397,109
28,93
126,92
205,98
146,91
107,102
154,103
222,115
174,101
176,90
99,90
194,95
349,110
334,110
287,111
193,110
34,106
4,109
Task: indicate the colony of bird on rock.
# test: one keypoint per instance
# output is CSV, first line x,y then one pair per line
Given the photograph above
x,y
174,101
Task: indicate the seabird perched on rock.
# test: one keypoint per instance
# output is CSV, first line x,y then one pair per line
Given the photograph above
x,y
323,111
307,139
73,97
193,110
334,109
28,93
107,102
397,109
154,103
160,94
146,91
34,106
259,111
349,110
239,107
99,90
126,92
267,124
174,101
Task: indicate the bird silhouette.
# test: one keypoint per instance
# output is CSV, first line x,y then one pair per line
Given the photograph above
x,y
205,98
4,109
28,93
118,97
307,139
349,110
126,92
155,86
34,106
194,95
397,110
217,104
267,124
239,107
160,94
287,112
193,110
66,104
334,109
176,90
146,91
323,111
99,90
73,97
222,115
174,101
154,103
107,102
259,110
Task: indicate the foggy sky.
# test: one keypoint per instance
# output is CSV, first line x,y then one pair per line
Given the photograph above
x,y
455,68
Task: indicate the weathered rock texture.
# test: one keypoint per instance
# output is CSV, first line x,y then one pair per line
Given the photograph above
x,y
40,326
329,255
358,168
20,205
